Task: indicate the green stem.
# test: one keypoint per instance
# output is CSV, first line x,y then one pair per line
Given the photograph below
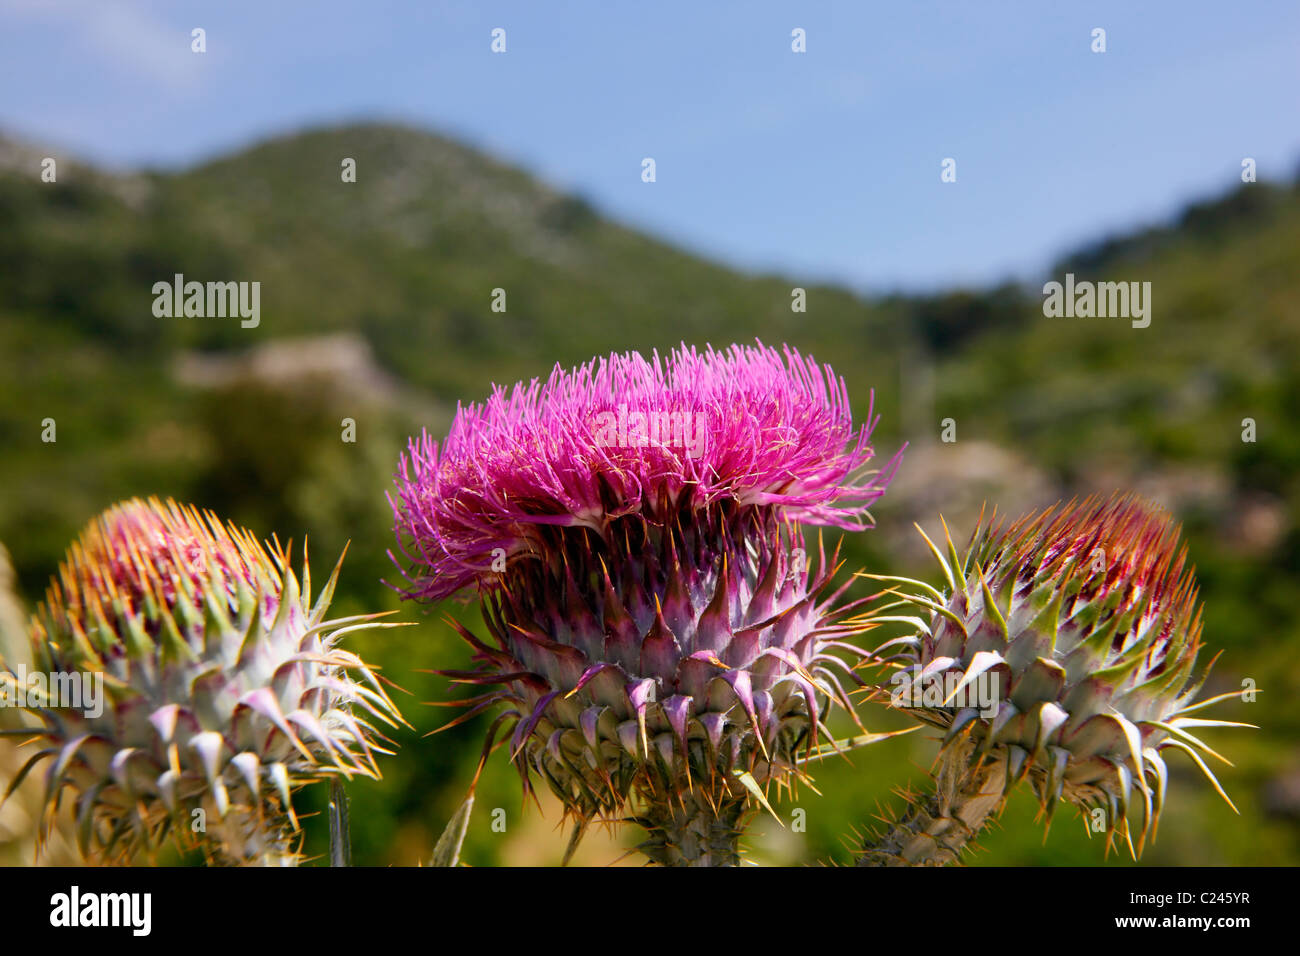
x,y
933,831
692,831
340,831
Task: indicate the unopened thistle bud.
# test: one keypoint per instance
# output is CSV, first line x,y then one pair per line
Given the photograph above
x,y
1085,621
210,688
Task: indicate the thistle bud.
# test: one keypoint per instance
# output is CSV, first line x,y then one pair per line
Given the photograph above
x,y
1061,653
185,685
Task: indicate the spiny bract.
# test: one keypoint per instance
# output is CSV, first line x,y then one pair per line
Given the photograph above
x,y
656,627
224,688
1084,621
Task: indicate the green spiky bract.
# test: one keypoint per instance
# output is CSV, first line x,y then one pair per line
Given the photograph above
x,y
683,689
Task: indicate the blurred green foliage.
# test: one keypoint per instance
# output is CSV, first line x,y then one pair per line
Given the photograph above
x,y
402,264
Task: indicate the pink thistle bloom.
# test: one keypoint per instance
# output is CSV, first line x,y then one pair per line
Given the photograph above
x,y
633,531
626,435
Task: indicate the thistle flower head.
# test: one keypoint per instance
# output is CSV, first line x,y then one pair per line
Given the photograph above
x,y
656,627
178,667
1084,621
626,435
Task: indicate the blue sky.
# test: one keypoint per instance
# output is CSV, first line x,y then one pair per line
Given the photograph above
x,y
823,165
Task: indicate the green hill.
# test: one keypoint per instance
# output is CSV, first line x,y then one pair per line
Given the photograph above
x,y
376,304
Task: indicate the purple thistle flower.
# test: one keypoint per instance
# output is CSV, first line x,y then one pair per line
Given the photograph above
x,y
621,435
633,530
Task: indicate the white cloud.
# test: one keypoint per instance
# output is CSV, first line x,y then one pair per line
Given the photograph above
x,y
123,35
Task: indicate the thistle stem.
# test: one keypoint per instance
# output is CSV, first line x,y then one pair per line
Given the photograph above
x,y
340,828
693,831
933,831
